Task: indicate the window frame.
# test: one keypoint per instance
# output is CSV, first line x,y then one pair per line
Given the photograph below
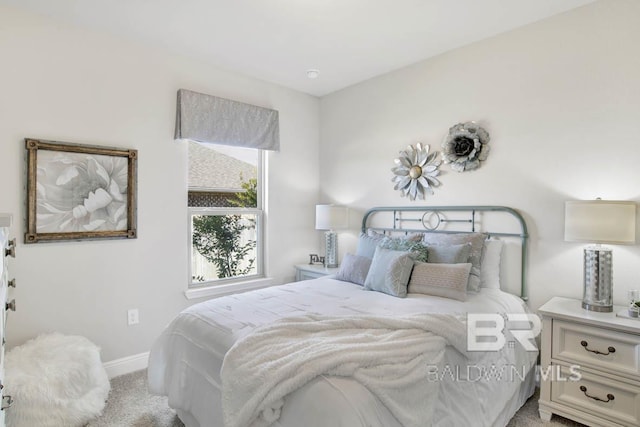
x,y
194,288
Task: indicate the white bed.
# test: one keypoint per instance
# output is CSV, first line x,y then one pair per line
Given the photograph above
x,y
186,360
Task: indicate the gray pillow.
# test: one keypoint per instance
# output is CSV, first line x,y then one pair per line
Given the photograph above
x,y
389,272
441,280
451,254
475,257
354,269
420,251
367,244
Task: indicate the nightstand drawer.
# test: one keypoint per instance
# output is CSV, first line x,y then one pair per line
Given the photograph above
x,y
615,401
613,351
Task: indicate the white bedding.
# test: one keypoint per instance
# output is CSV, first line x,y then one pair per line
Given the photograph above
x,y
186,360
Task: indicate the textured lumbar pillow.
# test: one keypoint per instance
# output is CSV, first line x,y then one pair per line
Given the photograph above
x,y
475,256
441,280
55,380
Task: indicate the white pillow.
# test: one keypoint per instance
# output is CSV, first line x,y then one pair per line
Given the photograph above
x,y
490,269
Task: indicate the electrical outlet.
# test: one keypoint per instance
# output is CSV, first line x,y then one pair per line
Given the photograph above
x,y
133,317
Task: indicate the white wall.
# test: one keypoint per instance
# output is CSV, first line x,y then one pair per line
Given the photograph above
x,y
71,85
560,98
561,101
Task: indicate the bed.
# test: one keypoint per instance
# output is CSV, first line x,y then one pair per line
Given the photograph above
x,y
193,362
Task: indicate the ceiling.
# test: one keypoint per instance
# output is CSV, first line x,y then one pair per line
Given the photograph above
x,y
349,41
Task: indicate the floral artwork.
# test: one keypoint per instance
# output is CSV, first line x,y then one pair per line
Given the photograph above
x,y
465,146
77,192
80,192
416,171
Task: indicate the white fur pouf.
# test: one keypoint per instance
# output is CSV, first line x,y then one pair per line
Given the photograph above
x,y
55,380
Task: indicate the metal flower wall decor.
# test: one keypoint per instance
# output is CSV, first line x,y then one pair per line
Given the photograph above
x,y
415,171
465,146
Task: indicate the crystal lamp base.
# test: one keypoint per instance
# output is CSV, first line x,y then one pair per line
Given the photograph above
x,y
330,249
598,282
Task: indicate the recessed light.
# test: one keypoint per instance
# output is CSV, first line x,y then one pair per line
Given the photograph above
x,y
313,73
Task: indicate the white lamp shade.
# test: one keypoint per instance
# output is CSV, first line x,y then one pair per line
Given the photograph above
x,y
600,221
330,217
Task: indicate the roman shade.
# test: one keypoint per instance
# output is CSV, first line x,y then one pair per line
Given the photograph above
x,y
207,118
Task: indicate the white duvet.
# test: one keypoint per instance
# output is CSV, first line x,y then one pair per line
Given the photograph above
x,y
388,355
185,362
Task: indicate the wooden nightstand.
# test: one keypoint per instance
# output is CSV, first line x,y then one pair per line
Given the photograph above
x,y
312,271
591,362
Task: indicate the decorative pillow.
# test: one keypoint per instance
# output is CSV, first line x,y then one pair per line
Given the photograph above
x,y
420,251
367,244
490,271
452,254
441,280
389,272
354,269
416,237
475,257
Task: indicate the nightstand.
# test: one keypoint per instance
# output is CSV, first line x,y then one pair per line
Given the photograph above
x,y
312,271
590,368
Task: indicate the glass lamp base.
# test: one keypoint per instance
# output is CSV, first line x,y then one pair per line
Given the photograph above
x,y
330,249
598,282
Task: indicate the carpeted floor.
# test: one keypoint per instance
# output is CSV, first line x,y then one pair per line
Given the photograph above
x,y
130,405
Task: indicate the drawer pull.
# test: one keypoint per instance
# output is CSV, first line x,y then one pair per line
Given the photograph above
x,y
11,248
610,396
10,251
11,283
11,305
585,345
7,401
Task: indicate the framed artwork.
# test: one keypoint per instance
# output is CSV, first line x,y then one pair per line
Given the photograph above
x,y
78,192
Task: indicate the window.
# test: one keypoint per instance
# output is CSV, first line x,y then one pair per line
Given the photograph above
x,y
225,212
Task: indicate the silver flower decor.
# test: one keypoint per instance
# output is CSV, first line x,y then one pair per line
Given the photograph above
x,y
465,146
415,171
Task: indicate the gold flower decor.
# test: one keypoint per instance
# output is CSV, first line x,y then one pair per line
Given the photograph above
x,y
416,171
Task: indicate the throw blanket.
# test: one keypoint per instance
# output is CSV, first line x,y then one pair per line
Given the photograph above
x,y
388,355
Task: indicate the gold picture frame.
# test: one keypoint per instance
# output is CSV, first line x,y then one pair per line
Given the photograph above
x,y
79,192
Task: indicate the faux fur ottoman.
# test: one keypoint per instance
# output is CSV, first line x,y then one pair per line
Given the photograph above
x,y
55,380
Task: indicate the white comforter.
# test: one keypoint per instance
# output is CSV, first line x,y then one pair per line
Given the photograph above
x,y
388,355
185,362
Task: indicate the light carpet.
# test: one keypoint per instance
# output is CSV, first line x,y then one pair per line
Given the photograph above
x,y
131,405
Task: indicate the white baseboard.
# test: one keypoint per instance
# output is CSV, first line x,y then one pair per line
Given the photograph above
x,y
126,365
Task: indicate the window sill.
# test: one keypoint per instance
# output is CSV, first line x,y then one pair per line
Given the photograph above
x,y
231,288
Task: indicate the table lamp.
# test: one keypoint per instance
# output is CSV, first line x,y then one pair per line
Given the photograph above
x,y
329,218
599,221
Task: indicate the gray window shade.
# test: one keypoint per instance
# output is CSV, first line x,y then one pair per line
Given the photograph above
x,y
207,118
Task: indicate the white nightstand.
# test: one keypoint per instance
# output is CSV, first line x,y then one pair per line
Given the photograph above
x,y
603,350
312,271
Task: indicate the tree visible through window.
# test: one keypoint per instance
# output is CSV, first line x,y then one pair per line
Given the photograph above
x,y
224,205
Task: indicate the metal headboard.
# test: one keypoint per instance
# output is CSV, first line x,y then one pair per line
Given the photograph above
x,y
433,217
